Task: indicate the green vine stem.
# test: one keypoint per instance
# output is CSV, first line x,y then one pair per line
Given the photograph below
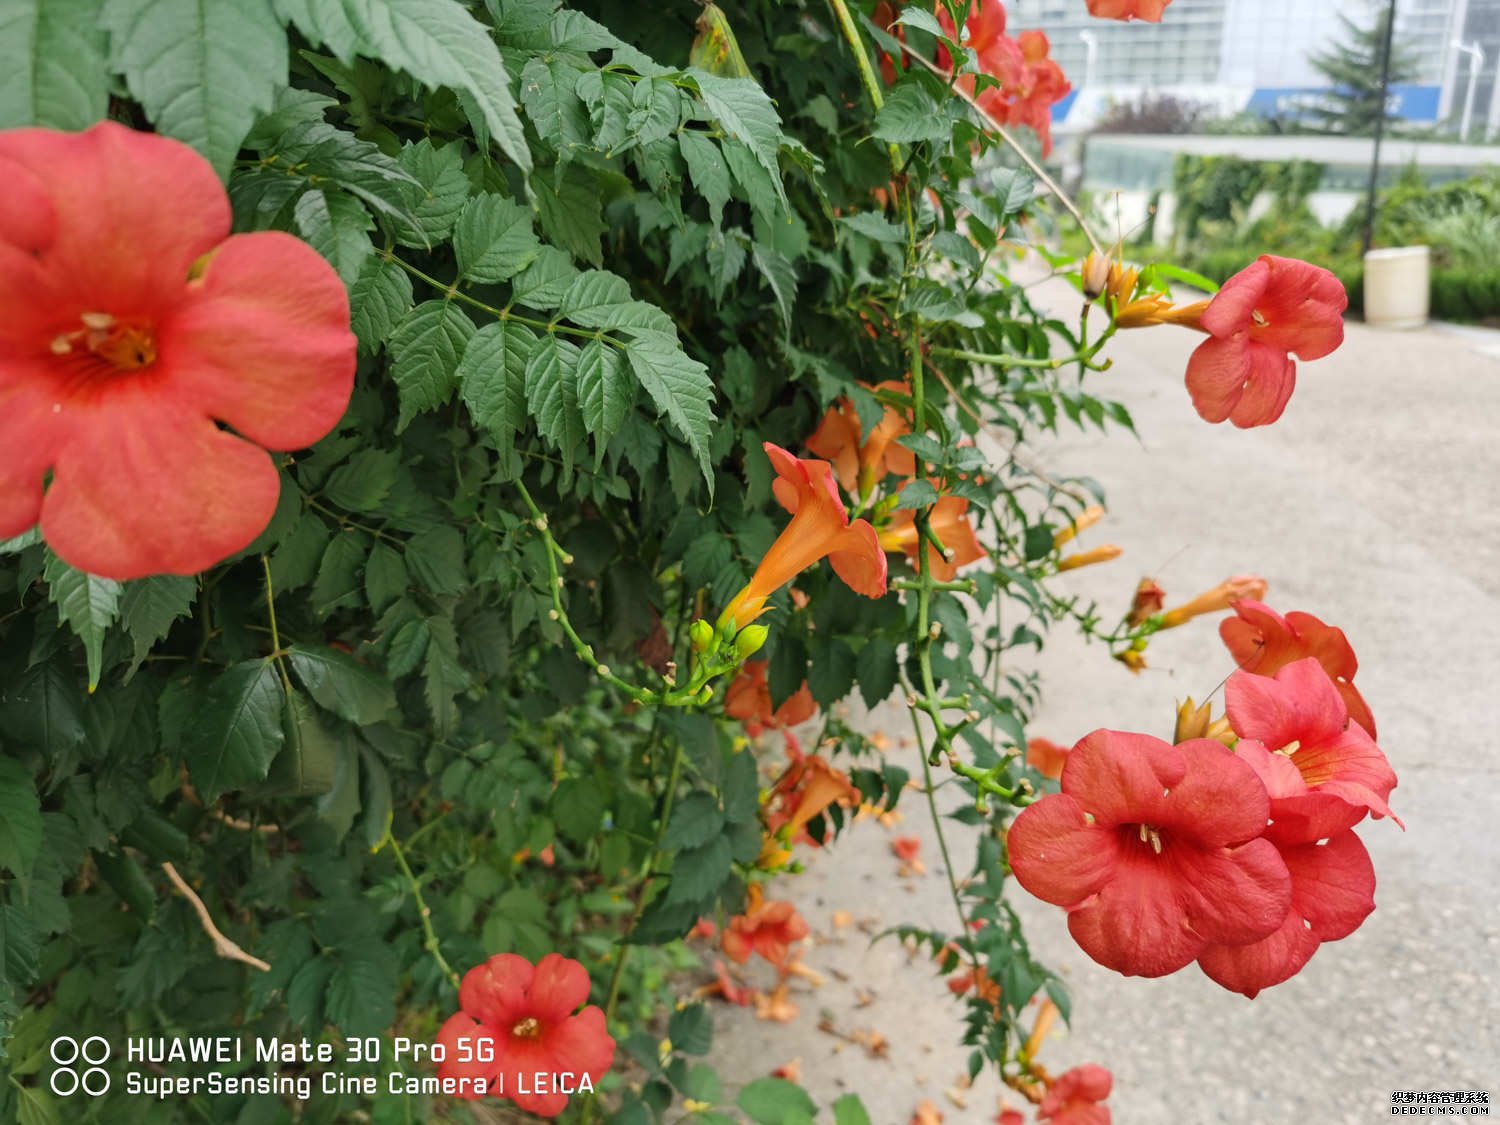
x,y
424,913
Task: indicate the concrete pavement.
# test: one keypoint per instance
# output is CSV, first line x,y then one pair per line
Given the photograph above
x,y
1375,504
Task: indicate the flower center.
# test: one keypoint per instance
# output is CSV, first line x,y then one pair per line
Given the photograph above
x,y
529,1028
1260,321
1152,836
124,345
1290,748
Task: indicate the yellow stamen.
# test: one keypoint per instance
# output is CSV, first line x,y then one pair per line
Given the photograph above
x,y
529,1028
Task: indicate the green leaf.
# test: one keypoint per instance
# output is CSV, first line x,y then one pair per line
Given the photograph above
x,y
52,64
912,114
315,154
440,192
745,111
436,41
570,208
577,808
338,582
875,668
698,872
148,607
918,494
20,818
362,482
361,996
600,299
773,1101
493,240
781,276
437,561
605,395
44,708
341,684
294,563
308,762
20,948
492,377
830,674
375,797
709,173
444,674
680,387
542,284
237,732
425,347
552,393
386,578
696,820
337,226
378,299
89,605
849,1110
549,93
203,69
691,1029
741,790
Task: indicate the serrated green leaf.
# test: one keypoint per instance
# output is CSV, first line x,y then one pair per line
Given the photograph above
x,y
379,298
203,69
605,394
88,605
361,995
44,707
542,284
492,377
876,670
438,42
362,482
830,673
337,226
696,819
408,647
746,112
600,299
698,872
439,192
493,239
709,173
849,1110
386,578
569,206
425,349
20,818
341,684
443,674
20,947
549,94
911,114
236,733
656,111
691,1029
307,765
338,582
436,561
314,153
148,607
552,393
781,276
680,387
52,64
294,563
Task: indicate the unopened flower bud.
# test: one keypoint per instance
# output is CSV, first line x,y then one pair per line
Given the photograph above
x,y
701,633
1222,596
1095,274
1086,519
1147,603
1089,558
750,641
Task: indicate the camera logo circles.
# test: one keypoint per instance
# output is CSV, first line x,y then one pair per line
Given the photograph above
x,y
79,1066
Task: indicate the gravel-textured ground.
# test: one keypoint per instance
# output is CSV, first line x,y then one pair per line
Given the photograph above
x,y
1374,503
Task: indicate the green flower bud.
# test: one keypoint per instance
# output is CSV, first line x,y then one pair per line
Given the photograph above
x,y
750,641
702,635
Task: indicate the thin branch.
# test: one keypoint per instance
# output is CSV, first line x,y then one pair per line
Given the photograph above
x,y
223,946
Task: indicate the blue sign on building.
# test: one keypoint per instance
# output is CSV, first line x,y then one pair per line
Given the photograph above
x,y
1410,102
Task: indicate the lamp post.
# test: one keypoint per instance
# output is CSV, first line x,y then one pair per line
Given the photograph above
x,y
1385,84
1091,56
1476,64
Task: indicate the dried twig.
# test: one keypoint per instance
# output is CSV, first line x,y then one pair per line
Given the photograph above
x,y
222,945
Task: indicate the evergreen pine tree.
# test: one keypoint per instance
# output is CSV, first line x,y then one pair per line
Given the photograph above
x,y
1352,67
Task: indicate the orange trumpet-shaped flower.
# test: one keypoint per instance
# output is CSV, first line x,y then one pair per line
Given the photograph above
x,y
767,928
808,787
1225,594
950,523
820,529
860,466
749,700
1148,10
1088,558
1147,603
1086,519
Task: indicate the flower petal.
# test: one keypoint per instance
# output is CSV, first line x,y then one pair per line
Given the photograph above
x,y
461,1062
1136,924
1333,884
1232,309
141,488
1231,896
27,439
581,1045
859,561
496,991
1247,969
1057,855
262,341
1268,387
1119,777
116,194
558,988
1304,305
1219,800
1298,704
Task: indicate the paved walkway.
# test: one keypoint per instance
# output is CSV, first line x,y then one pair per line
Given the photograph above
x,y
1374,503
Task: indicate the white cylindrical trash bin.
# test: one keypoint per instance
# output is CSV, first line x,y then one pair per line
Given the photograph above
x,y
1398,287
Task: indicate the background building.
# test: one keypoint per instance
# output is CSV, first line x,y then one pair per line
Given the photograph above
x,y
1237,54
